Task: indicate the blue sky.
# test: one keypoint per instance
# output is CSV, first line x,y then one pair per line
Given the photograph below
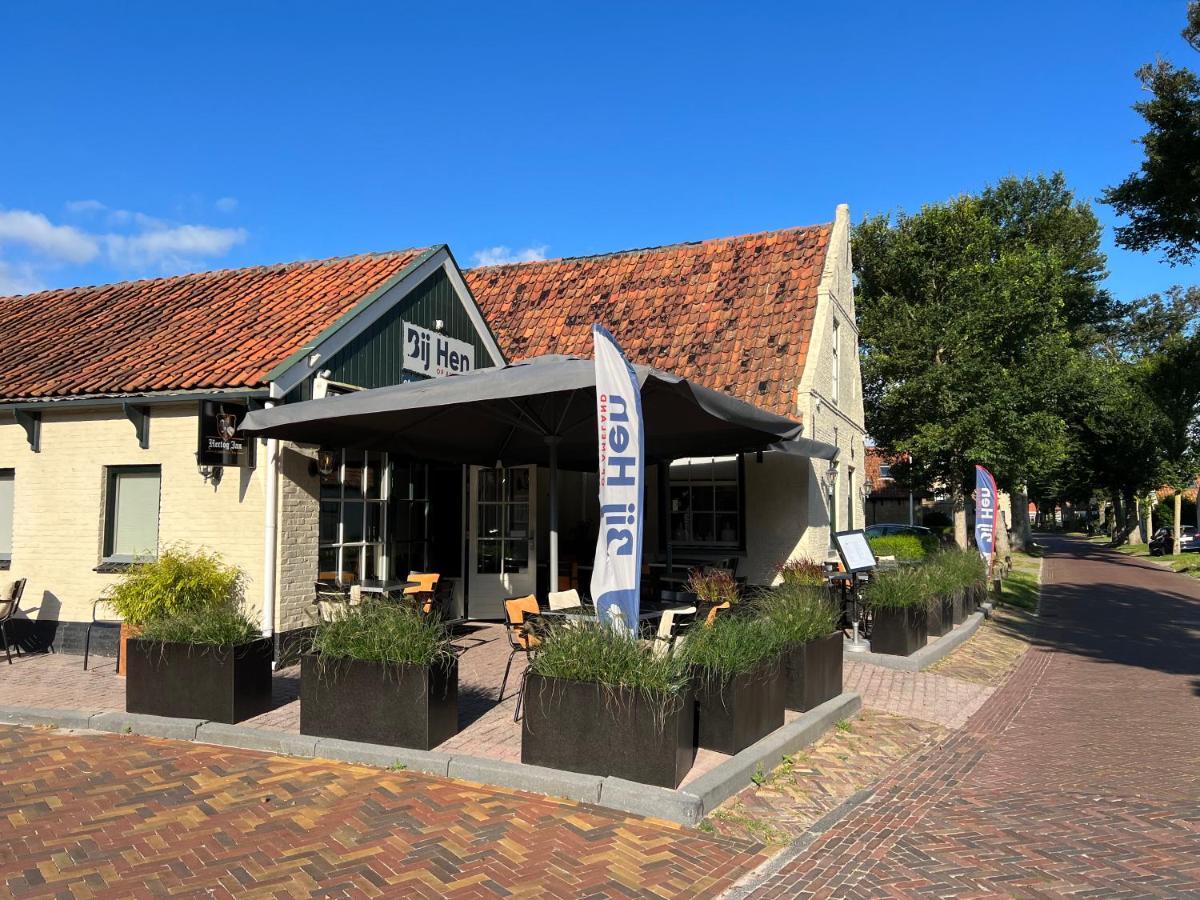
x,y
143,139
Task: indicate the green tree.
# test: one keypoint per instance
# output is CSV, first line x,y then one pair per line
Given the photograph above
x,y
967,310
1162,199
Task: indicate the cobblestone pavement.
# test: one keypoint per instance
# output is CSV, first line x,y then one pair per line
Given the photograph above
x,y
1080,775
85,815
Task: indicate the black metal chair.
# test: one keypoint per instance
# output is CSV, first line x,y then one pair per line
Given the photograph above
x,y
103,616
8,611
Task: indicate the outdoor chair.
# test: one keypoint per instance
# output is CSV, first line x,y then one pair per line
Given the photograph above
x,y
331,601
422,591
10,600
670,627
103,616
565,600
521,639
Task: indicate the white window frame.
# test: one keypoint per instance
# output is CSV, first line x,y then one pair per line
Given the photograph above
x,y
112,475
341,545
885,470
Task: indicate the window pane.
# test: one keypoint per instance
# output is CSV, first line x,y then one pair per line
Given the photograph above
x,y
679,527
327,564
328,530
726,498
135,514
331,484
352,522
727,529
702,527
373,476
374,522
517,484
420,482
518,521
489,520
419,520
374,559
353,478
352,565
681,498
489,558
723,468
702,497
488,485
6,512
516,556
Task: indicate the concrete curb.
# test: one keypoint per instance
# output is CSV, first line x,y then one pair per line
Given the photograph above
x,y
685,806
927,655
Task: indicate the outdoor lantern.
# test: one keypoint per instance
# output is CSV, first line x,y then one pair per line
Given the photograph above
x,y
830,475
327,461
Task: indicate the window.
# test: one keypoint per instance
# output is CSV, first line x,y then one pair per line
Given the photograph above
x,y
503,521
706,501
351,523
836,387
849,499
6,517
408,525
131,513
885,471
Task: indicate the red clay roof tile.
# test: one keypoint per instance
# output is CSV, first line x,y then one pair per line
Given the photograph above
x,y
734,314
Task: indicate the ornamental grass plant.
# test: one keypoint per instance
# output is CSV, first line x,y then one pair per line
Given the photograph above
x,y
223,625
732,645
382,632
801,571
798,612
608,656
904,547
180,582
907,588
714,586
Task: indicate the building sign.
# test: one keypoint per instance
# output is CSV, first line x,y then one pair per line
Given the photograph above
x,y
429,353
221,442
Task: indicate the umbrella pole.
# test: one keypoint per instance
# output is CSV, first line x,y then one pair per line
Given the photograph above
x,y
552,442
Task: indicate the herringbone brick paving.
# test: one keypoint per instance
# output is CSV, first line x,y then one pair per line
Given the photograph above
x,y
118,815
1081,775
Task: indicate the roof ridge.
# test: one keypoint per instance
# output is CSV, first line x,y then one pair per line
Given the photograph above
x,y
632,250
209,273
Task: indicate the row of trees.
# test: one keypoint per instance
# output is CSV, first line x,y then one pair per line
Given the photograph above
x,y
988,337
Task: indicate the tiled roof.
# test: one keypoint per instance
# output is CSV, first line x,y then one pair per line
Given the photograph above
x,y
734,314
224,329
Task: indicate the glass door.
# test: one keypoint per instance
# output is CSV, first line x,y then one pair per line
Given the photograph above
x,y
503,552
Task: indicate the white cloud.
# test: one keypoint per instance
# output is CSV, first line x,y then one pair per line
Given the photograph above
x,y
18,278
226,204
499,255
173,247
84,207
34,231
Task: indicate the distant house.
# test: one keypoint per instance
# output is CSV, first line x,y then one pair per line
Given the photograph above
x,y
119,407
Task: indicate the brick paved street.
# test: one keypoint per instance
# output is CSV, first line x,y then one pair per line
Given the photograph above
x,y
1080,774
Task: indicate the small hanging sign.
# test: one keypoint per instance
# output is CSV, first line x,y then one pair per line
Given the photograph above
x,y
221,442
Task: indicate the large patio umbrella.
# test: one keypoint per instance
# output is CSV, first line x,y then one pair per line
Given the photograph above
x,y
538,412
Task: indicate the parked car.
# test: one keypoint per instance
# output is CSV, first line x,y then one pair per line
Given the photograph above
x,y
1189,541
886,528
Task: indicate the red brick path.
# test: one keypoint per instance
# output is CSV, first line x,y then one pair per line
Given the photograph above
x,y
1081,774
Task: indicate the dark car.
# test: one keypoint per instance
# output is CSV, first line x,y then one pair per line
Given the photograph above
x,y
883,529
1189,541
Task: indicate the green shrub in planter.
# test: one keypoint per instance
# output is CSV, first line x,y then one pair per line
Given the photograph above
x,y
179,582
382,673
899,616
945,594
905,547
597,686
738,680
805,620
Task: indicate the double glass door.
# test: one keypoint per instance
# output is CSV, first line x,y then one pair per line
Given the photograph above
x,y
503,550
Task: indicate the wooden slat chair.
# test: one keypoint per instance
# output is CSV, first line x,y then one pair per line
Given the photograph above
x,y
521,639
422,592
568,599
670,629
10,600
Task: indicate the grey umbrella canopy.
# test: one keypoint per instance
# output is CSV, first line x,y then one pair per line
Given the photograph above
x,y
538,412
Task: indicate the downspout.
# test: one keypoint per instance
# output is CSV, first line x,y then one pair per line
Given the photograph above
x,y
270,532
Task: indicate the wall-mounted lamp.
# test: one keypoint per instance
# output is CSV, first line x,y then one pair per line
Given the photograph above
x,y
211,474
830,475
325,463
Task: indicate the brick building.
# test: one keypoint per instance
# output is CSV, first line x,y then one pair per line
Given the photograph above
x,y
119,407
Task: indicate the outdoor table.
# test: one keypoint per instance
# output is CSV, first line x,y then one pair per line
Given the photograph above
x,y
387,587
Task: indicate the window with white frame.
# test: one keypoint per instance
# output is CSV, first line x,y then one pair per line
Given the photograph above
x,y
7,482
351,524
706,502
836,387
885,471
131,513
502,512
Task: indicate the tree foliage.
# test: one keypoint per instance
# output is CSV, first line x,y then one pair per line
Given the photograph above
x,y
967,311
1162,199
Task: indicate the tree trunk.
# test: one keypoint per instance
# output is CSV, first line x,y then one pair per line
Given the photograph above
x,y
1020,520
1134,527
1175,528
1118,530
960,519
1148,526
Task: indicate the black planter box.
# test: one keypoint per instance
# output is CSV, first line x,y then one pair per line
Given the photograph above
x,y
899,632
733,715
959,612
584,727
941,615
812,672
197,681
400,705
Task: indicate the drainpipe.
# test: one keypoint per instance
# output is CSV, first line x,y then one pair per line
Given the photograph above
x,y
270,546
